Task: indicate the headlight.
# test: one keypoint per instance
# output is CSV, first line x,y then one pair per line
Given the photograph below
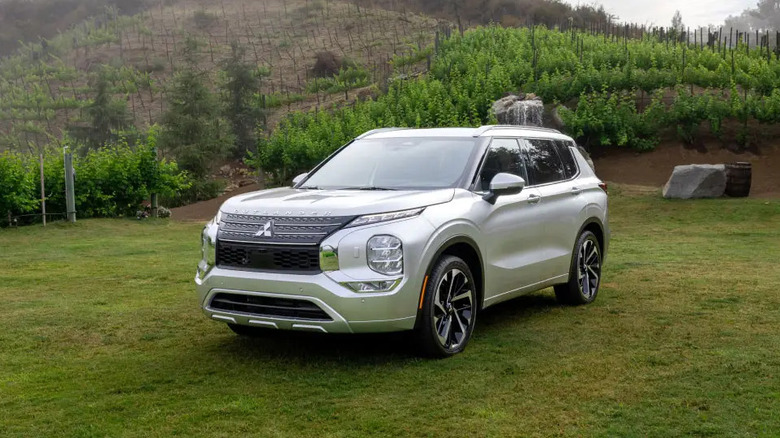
x,y
384,217
385,255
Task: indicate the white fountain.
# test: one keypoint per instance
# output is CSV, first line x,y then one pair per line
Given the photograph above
x,y
517,110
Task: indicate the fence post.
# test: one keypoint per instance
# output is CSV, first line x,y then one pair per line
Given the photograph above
x,y
155,206
70,194
43,192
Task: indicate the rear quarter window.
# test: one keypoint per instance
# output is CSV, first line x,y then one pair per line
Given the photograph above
x,y
567,158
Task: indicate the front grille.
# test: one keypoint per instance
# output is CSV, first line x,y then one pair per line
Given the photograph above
x,y
268,258
269,307
283,230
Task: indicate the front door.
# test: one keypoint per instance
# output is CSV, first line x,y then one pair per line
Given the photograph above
x,y
511,228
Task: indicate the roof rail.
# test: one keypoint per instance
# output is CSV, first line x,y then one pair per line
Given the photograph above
x,y
378,131
484,129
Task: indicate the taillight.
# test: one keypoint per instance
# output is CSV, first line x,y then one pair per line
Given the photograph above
x,y
604,187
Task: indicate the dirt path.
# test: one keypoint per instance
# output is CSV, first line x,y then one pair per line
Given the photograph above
x,y
204,211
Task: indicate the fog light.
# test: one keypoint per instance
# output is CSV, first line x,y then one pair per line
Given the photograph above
x,y
372,286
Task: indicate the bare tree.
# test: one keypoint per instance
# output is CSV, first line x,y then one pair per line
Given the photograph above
x,y
677,22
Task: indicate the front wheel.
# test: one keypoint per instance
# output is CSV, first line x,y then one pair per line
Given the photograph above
x,y
584,273
449,309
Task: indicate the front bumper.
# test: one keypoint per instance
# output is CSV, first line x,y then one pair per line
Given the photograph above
x,y
350,312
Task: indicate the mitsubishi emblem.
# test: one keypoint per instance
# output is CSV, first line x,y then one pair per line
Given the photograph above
x,y
267,230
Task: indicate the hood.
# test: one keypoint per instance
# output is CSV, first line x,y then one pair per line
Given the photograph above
x,y
291,202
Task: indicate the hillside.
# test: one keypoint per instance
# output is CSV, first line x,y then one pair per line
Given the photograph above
x,y
47,87
316,74
23,21
609,90
511,13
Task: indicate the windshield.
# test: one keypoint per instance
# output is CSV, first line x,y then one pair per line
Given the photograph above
x,y
397,164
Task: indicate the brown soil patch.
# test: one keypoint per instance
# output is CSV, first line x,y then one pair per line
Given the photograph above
x,y
654,168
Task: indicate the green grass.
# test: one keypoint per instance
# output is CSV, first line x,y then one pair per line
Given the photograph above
x,y
102,336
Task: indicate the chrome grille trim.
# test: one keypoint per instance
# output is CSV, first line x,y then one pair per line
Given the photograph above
x,y
283,230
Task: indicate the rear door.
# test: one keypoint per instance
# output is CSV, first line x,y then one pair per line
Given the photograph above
x,y
560,205
510,227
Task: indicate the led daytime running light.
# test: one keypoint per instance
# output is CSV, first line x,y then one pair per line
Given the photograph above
x,y
385,217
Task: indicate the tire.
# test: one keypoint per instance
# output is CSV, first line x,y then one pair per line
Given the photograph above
x,y
584,273
449,309
250,332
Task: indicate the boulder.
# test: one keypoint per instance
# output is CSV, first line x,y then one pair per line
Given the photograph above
x,y
587,157
696,181
557,120
516,110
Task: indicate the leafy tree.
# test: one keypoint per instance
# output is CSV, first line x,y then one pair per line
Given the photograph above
x,y
769,12
765,16
192,129
239,83
105,113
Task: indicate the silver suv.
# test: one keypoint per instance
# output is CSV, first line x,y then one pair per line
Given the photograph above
x,y
410,229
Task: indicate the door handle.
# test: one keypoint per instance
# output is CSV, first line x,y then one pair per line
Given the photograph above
x,y
576,191
534,199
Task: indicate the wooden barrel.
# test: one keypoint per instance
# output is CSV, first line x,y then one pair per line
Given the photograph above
x,y
738,179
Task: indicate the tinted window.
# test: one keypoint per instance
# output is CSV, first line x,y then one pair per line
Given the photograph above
x,y
569,164
544,165
503,157
397,163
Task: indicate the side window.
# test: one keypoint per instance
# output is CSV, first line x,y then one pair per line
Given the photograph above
x,y
503,157
569,164
544,165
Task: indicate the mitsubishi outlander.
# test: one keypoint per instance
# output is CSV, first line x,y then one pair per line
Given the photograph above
x,y
410,230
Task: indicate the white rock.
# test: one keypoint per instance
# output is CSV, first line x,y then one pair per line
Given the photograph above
x,y
696,181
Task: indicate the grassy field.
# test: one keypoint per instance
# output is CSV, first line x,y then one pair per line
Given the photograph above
x,y
101,335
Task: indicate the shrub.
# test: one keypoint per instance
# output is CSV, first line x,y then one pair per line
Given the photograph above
x,y
326,64
110,181
612,119
17,186
204,19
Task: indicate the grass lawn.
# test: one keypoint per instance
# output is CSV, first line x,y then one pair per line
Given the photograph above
x,y
101,335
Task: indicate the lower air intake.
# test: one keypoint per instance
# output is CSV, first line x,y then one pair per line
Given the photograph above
x,y
269,307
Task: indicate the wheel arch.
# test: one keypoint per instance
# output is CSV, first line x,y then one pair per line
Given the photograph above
x,y
595,226
466,249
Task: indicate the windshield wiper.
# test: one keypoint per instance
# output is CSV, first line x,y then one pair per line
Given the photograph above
x,y
309,188
369,188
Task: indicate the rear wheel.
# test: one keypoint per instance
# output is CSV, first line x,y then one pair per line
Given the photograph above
x,y
449,309
584,273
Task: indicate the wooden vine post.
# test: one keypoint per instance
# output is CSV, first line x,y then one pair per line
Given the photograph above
x,y
70,194
43,191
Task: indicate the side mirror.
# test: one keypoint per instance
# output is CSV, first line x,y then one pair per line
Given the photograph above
x,y
504,184
297,180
